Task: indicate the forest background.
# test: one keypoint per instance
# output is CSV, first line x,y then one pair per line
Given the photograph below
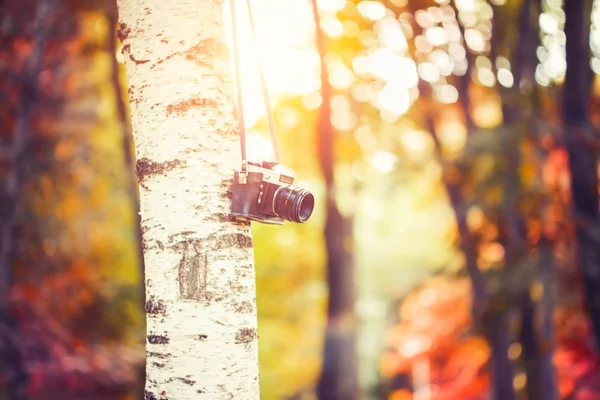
x,y
461,263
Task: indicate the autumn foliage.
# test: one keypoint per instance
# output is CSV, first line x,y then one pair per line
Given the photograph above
x,y
434,324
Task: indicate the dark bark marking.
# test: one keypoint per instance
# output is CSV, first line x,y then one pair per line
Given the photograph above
x,y
155,307
226,185
187,381
235,287
158,339
230,240
228,131
202,337
123,32
146,188
126,48
186,105
150,396
192,270
180,245
158,355
204,53
220,217
160,245
144,167
158,365
246,335
207,50
138,62
244,307
144,243
218,322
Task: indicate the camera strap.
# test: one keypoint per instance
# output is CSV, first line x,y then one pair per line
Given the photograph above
x,y
265,92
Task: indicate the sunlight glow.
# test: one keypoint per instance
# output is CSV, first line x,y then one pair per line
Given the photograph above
x,y
367,38
442,61
332,27
331,5
422,44
437,36
548,24
312,101
362,92
595,37
452,134
457,51
415,141
340,77
551,55
446,94
344,120
287,116
394,98
488,113
351,29
384,161
390,34
287,69
360,64
258,147
424,19
505,77
391,67
372,10
466,5
475,40
486,77
429,72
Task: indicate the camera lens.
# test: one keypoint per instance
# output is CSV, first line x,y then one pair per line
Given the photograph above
x,y
293,203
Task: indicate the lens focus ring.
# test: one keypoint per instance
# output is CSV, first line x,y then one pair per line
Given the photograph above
x,y
293,203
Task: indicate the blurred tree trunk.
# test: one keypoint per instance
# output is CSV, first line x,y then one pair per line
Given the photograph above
x,y
547,375
72,309
13,160
518,105
122,115
200,290
494,322
582,154
338,380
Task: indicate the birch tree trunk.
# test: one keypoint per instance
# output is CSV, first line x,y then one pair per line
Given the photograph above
x,y
199,273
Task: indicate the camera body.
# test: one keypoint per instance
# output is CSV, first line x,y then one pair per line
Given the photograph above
x,y
265,193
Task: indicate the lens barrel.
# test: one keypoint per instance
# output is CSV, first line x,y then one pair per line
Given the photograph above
x,y
293,203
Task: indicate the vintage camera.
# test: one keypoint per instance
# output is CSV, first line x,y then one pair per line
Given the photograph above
x,y
264,193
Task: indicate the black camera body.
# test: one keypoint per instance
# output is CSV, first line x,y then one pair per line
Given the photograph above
x,y
264,193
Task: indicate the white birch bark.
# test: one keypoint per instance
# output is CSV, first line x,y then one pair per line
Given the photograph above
x,y
199,272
